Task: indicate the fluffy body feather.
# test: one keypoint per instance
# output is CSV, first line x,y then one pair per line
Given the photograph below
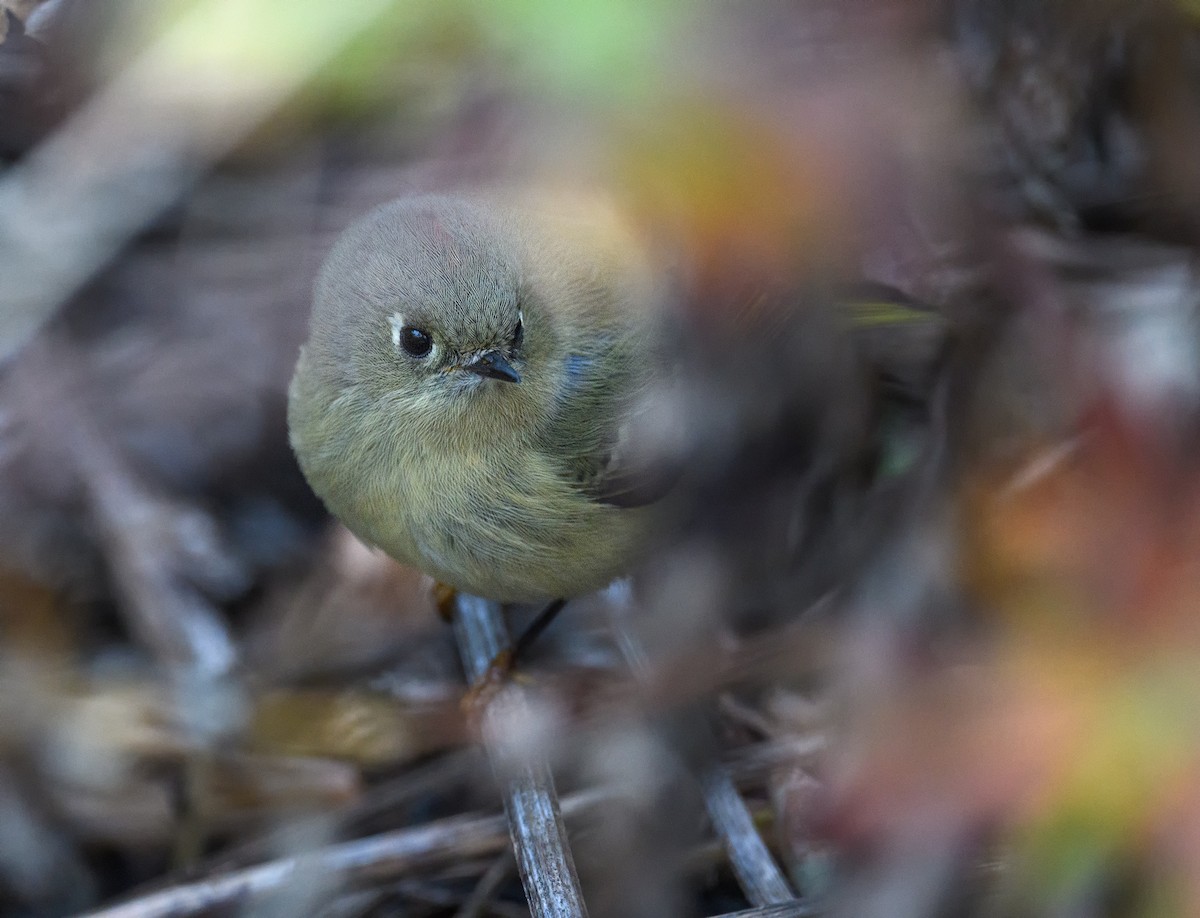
x,y
489,486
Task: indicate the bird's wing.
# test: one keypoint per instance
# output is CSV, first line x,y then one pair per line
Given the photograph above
x,y
599,438
621,481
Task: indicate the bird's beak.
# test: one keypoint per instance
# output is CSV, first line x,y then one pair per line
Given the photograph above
x,y
493,366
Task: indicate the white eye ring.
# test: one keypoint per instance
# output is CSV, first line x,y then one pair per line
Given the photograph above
x,y
402,339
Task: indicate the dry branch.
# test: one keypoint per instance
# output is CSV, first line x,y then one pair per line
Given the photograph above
x,y
756,871
377,858
535,823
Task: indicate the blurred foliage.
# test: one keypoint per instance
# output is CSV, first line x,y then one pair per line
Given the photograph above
x,y
413,53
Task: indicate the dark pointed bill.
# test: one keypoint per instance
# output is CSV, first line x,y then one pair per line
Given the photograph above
x,y
493,366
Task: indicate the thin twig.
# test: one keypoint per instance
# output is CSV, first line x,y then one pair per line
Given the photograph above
x,y
755,869
377,858
424,893
795,909
753,763
485,889
538,834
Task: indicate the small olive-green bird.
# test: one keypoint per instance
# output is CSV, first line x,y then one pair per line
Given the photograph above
x,y
466,388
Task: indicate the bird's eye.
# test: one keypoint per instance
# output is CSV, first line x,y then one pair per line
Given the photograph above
x,y
415,341
518,333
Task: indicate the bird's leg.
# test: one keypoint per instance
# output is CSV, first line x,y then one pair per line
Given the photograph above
x,y
534,630
503,664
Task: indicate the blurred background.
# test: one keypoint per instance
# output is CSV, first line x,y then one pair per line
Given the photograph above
x,y
928,621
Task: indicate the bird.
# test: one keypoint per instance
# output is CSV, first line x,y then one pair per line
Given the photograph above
x,y
464,399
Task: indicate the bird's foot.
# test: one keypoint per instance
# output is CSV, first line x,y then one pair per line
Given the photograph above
x,y
444,596
484,690
501,670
